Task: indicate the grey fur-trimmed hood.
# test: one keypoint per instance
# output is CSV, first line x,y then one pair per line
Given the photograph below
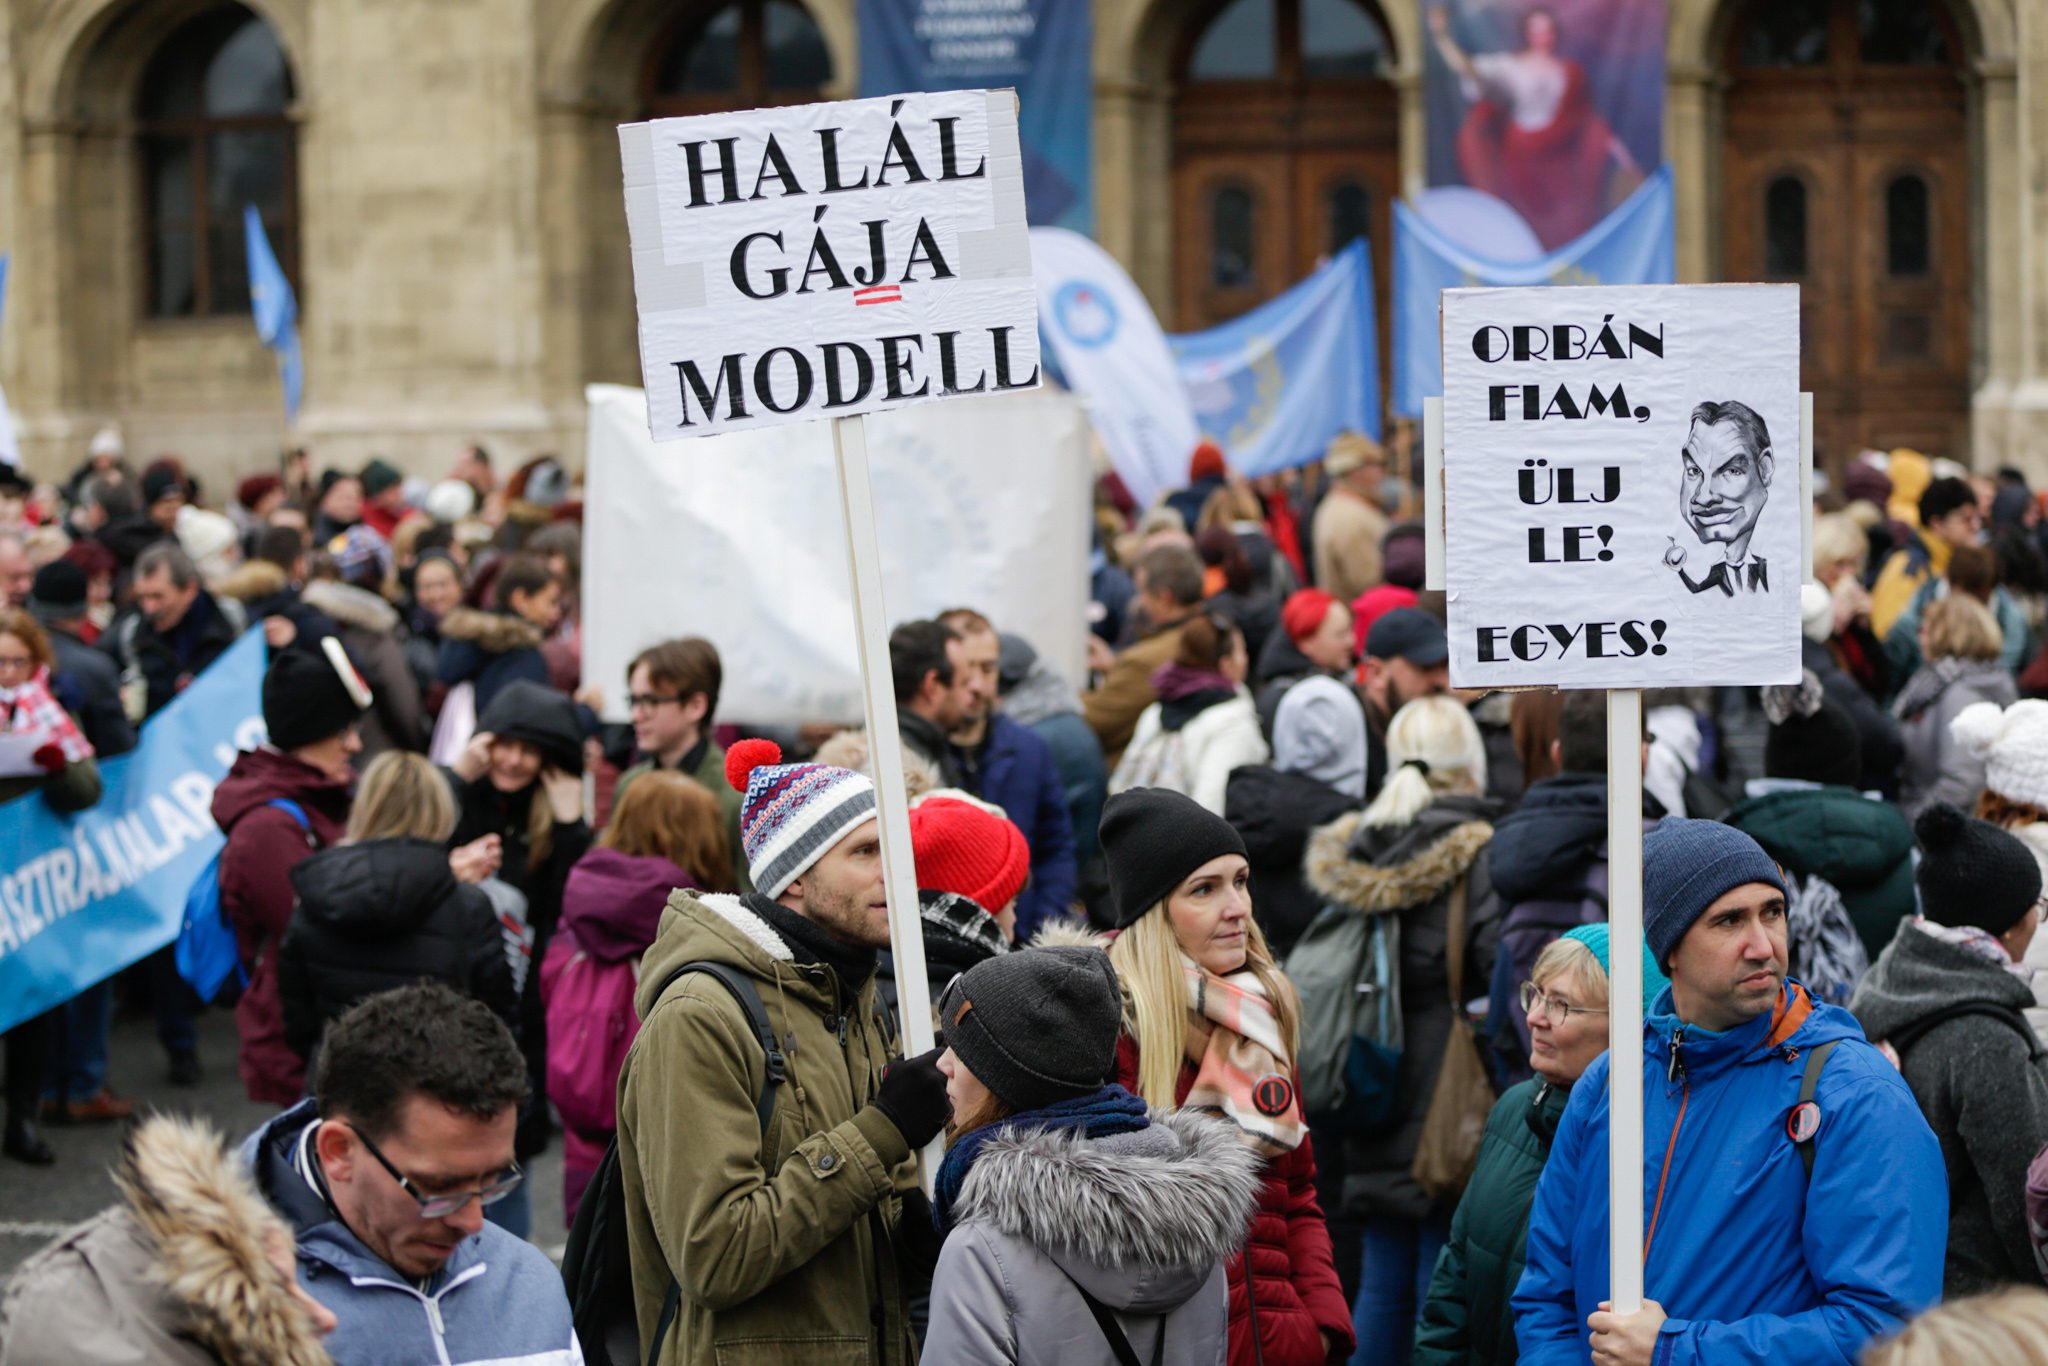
x,y
1138,1218
494,632
1334,873
350,605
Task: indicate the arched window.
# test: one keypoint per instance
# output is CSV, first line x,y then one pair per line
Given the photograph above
x,y
1788,33
1231,239
215,137
1348,204
1785,228
1238,45
745,55
1905,226
1901,32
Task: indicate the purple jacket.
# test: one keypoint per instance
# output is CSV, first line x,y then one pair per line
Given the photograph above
x,y
613,902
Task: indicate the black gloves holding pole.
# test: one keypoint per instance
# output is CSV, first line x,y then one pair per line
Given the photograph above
x,y
912,1096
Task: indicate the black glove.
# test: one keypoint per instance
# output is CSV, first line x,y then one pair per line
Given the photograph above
x,y
918,1236
912,1097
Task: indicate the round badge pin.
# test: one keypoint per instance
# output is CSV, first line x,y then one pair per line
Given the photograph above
x,y
1273,1095
1803,1123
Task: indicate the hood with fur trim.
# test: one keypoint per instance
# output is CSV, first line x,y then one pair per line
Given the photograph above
x,y
1404,875
492,632
251,581
349,605
1140,1220
176,1274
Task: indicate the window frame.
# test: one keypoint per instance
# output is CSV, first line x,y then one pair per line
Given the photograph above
x,y
752,91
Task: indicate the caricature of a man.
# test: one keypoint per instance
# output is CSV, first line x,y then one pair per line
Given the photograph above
x,y
1727,468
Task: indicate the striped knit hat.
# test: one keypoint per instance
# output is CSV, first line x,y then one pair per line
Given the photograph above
x,y
792,814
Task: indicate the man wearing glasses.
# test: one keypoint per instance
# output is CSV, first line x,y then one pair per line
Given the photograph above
x,y
384,1174
672,689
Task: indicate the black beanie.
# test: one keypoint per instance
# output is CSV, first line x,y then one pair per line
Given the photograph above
x,y
1973,873
1152,838
1037,1026
60,592
306,698
541,716
1815,742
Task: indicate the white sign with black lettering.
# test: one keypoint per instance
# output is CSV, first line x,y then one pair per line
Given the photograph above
x,y
1622,485
823,260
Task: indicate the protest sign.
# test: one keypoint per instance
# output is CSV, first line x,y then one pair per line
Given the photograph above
x,y
1622,485
84,896
827,260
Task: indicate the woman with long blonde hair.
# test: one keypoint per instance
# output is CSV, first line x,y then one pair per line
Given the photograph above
x,y
1212,1025
1407,855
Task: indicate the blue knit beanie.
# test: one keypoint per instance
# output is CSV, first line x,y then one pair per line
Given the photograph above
x,y
1688,865
1595,937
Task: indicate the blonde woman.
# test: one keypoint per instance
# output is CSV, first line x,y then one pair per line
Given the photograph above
x,y
1406,854
1211,1025
1961,642
2009,1327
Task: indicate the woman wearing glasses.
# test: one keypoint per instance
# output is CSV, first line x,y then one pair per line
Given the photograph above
x,y
1467,1320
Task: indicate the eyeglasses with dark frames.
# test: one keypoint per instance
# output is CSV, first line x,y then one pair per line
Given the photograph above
x,y
441,1206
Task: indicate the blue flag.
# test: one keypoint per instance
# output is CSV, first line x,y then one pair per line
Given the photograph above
x,y
84,896
276,310
1274,386
1631,246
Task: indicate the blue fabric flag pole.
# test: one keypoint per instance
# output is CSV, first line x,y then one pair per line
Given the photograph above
x,y
276,310
1631,246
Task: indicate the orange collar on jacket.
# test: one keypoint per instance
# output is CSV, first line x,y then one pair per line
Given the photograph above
x,y
1794,1005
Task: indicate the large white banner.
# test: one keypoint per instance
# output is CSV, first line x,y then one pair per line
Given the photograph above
x,y
1622,485
740,539
1111,349
823,260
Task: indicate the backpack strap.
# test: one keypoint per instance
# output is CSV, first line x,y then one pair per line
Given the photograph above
x,y
1815,1060
1903,1039
297,813
1119,1342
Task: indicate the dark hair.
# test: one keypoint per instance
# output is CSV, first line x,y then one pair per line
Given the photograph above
x,y
916,649
1220,549
2020,562
1943,497
281,546
1205,642
528,574
1174,570
437,536
426,1039
112,492
1741,416
558,538
966,621
690,666
1973,570
166,556
1582,732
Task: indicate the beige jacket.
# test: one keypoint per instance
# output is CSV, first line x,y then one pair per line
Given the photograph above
x,y
1346,537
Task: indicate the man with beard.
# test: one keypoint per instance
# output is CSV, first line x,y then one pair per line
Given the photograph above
x,y
1406,657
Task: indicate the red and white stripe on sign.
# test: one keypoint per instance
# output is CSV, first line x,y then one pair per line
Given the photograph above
x,y
879,294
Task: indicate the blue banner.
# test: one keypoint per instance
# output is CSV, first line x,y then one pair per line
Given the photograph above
x,y
276,310
1631,246
86,895
1274,386
1041,48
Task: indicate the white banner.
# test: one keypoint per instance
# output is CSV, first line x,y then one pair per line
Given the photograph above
x,y
1622,485
740,539
1111,349
823,260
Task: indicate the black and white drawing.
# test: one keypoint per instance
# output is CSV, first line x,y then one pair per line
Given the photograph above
x,y
1726,467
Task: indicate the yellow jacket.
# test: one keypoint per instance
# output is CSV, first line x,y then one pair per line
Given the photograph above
x,y
1901,578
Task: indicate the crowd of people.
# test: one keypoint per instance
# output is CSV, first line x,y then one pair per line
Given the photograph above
x,y
1270,973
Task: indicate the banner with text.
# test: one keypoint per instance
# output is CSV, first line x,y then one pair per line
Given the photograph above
x,y
823,260
1622,485
1041,47
85,896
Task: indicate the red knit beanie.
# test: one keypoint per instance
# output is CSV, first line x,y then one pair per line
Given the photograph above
x,y
1206,462
1305,612
963,849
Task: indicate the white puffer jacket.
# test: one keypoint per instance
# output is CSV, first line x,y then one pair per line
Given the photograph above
x,y
1197,759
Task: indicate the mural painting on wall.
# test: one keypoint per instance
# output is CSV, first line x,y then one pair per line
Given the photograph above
x,y
1556,108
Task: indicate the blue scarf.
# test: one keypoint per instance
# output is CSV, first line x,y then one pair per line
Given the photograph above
x,y
1099,1114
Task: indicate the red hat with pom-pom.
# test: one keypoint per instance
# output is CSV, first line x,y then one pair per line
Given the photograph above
x,y
964,848
792,814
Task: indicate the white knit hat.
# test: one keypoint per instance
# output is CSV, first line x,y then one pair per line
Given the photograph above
x,y
1816,612
2013,745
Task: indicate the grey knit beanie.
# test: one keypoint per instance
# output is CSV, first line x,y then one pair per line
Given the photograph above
x,y
1037,1026
1688,865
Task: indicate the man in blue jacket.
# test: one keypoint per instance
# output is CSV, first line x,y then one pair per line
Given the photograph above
x,y
1750,1255
384,1176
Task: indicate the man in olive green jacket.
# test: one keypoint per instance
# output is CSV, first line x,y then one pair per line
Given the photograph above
x,y
789,1246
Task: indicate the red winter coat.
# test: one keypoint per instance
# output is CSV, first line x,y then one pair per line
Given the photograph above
x,y
256,894
1289,1248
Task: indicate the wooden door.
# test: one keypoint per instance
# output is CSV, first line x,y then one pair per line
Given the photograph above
x,y
1285,148
1846,170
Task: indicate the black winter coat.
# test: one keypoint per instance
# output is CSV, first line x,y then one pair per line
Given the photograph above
x,y
88,684
1274,812
379,915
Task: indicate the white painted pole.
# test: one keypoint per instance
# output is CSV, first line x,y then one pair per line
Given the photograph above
x,y
885,748
1806,488
1432,493
1625,996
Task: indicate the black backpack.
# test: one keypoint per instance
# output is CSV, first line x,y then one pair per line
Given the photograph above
x,y
597,1266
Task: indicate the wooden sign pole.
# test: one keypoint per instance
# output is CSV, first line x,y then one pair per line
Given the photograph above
x,y
885,748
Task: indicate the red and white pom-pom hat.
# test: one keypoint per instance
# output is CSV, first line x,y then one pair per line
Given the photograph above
x,y
792,814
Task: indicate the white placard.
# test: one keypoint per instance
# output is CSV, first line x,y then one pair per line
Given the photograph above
x,y
825,260
1622,485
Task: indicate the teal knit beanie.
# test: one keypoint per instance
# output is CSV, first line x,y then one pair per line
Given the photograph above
x,y
1595,937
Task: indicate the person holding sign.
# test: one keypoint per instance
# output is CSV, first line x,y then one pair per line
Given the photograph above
x,y
1795,1201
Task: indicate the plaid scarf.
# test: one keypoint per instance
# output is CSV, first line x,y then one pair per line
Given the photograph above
x,y
31,710
1242,1073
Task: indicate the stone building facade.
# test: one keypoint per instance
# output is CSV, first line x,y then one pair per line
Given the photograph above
x,y
441,180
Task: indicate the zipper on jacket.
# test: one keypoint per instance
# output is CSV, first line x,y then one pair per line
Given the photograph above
x,y
1676,1072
